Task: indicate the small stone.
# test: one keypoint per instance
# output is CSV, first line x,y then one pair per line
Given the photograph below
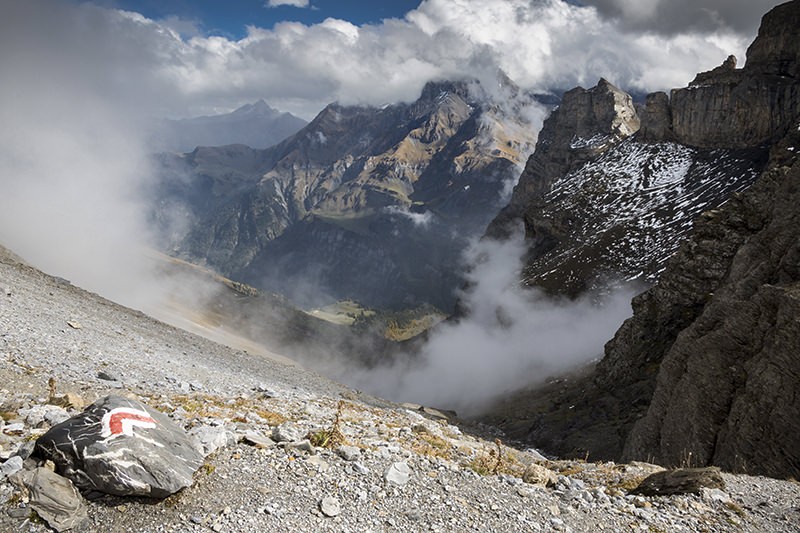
x,y
194,519
715,495
361,469
554,510
68,400
534,453
536,474
287,432
398,474
106,376
349,453
300,446
319,462
258,440
74,324
17,428
209,439
330,506
11,467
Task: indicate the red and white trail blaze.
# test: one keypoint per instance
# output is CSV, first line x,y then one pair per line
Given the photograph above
x,y
121,421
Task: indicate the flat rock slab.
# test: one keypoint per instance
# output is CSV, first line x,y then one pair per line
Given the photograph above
x,y
123,447
681,481
56,500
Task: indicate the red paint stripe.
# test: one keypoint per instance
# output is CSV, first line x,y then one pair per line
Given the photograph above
x,y
115,422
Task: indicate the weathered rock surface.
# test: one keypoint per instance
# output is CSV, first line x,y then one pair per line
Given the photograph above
x,y
586,123
680,481
601,202
120,446
55,499
725,388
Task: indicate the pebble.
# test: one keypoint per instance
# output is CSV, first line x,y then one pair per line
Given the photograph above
x,y
398,474
330,506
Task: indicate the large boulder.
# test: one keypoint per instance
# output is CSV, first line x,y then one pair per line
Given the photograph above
x,y
123,447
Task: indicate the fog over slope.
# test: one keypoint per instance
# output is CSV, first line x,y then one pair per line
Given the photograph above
x,y
510,338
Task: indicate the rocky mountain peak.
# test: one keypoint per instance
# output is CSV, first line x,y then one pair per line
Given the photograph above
x,y
259,107
435,90
588,122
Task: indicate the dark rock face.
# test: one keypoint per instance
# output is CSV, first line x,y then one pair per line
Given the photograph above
x,y
586,124
750,107
725,388
120,446
706,370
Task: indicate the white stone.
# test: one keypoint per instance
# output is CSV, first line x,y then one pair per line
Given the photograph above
x,y
330,506
398,474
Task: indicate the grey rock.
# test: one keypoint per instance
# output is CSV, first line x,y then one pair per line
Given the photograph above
x,y
10,466
680,481
25,450
536,474
15,428
56,500
300,446
258,440
330,506
212,438
120,446
39,415
349,453
398,474
106,376
287,432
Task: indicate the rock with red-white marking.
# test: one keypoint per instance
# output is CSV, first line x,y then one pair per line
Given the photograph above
x,y
124,447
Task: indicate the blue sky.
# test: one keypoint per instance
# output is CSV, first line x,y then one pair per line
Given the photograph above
x,y
229,18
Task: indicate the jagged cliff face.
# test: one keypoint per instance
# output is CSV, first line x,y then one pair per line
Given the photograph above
x,y
706,371
610,191
363,203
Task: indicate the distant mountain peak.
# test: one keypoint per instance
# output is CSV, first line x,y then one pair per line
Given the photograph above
x,y
259,107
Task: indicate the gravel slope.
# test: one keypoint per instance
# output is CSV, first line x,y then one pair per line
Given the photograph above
x,y
48,328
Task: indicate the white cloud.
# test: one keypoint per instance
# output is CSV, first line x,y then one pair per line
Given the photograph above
x,y
294,3
164,68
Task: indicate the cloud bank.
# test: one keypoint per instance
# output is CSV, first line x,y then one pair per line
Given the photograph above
x,y
541,44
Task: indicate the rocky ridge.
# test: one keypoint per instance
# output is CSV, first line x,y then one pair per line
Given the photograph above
x,y
288,450
706,370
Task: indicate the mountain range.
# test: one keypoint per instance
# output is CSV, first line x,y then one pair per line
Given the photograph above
x,y
371,204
